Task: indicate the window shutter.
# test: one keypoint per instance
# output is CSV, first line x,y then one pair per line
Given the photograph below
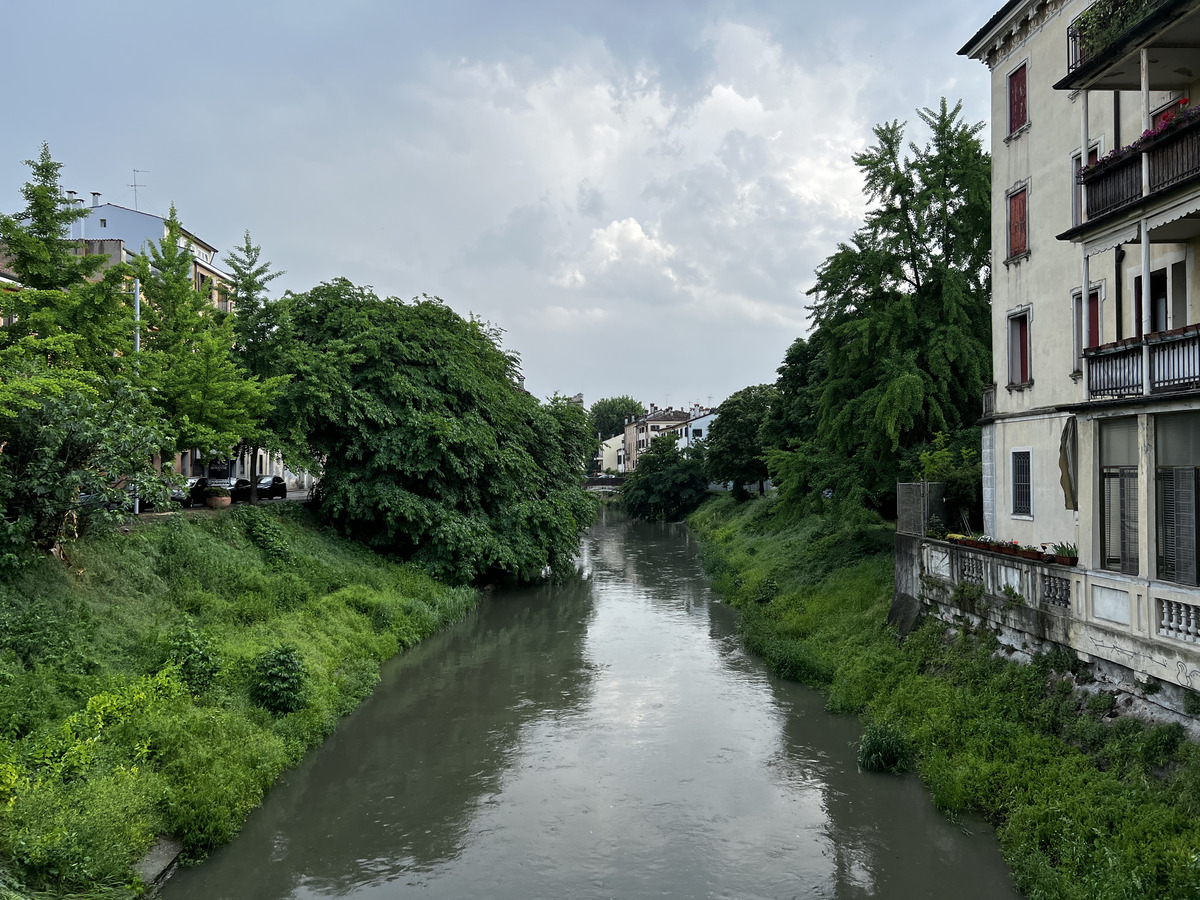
x,y
1129,520
1017,109
1185,524
1017,223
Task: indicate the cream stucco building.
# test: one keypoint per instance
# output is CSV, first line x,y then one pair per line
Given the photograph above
x,y
1092,425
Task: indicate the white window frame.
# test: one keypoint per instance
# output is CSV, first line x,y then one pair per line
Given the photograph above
x,y
1027,312
1078,325
1012,484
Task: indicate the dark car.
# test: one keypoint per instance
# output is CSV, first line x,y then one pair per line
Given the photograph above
x,y
272,486
239,491
198,486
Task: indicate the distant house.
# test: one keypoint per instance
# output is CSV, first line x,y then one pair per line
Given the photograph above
x,y
118,232
610,456
641,431
695,429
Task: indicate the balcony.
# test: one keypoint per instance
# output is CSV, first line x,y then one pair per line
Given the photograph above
x,y
1102,25
1104,44
1117,183
1117,370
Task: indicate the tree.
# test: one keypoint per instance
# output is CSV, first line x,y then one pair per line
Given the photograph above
x,y
431,450
902,337
667,484
37,239
207,401
262,342
606,418
734,445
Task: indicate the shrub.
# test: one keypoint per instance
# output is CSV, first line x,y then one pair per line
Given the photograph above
x,y
884,747
195,655
1101,702
278,680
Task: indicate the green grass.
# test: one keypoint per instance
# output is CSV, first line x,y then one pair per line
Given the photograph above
x,y
1084,808
128,682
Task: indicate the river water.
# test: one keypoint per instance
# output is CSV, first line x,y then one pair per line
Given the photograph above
x,y
602,738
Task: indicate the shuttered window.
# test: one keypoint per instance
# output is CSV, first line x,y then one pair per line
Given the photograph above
x,y
1022,483
1177,445
1018,223
1018,108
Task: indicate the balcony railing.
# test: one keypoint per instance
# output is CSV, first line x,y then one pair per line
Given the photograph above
x,y
1116,370
1102,25
1174,157
1175,361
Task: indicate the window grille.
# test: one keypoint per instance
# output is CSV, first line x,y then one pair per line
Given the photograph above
x,y
1022,482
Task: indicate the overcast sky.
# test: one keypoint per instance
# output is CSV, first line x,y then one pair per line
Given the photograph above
x,y
637,192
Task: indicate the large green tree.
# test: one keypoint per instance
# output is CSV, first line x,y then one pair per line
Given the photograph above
x,y
431,450
606,417
207,400
262,346
37,240
902,337
734,445
71,421
667,484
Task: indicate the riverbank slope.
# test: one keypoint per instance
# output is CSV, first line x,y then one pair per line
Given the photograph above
x,y
160,682
1087,804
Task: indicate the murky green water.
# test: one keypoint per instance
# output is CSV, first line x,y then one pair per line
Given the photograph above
x,y
606,738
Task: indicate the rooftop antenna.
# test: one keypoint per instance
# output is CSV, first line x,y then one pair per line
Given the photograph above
x,y
135,185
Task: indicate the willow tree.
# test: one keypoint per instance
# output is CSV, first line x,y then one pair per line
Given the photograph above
x,y
903,325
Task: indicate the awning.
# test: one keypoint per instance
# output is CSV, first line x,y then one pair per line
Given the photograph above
x,y
1127,235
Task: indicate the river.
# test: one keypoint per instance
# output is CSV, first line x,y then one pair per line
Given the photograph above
x,y
602,738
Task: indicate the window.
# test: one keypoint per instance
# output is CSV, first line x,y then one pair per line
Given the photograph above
x,y
1119,495
1076,187
1090,338
1158,302
1018,349
1167,113
1022,483
104,223
1178,455
1018,109
1018,224
697,433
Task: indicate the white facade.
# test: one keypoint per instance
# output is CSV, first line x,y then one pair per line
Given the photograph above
x,y
1092,425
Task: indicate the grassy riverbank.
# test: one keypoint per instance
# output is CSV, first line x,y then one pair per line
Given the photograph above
x,y
137,682
1087,805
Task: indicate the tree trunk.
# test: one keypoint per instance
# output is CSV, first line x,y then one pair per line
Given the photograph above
x,y
253,475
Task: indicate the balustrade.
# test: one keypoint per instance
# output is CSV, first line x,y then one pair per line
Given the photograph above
x,y
1177,620
1115,372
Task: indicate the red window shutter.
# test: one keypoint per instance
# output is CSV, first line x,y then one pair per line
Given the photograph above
x,y
1093,338
1017,110
1018,241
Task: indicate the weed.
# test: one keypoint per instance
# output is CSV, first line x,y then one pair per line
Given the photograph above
x,y
884,747
278,680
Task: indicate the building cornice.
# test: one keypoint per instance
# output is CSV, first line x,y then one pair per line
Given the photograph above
x,y
1008,30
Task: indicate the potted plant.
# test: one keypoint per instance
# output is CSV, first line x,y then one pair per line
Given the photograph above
x,y
1028,551
1066,554
216,497
1009,548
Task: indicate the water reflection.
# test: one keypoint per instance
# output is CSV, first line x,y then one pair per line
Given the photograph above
x,y
606,738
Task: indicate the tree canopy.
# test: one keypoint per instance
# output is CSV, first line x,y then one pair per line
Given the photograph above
x,y
606,417
667,484
431,449
735,450
901,345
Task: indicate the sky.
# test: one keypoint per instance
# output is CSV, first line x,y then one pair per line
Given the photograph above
x,y
637,193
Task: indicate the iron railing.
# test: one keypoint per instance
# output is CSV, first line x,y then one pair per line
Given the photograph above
x,y
1175,363
1102,25
1114,371
1174,157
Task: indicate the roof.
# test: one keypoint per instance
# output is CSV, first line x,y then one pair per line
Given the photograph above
x,y
995,20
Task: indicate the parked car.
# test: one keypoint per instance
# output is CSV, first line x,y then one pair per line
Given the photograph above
x,y
272,486
198,486
239,490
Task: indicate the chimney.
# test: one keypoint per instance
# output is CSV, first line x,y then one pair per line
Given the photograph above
x,y
95,198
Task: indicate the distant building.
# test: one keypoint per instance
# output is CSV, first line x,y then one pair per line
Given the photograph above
x,y
641,431
118,232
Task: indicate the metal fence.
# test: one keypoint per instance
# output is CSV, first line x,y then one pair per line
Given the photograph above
x,y
918,505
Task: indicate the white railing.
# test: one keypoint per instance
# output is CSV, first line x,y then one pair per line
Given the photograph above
x,y
1177,620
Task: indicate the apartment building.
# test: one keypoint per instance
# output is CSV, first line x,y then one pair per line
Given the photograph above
x,y
1092,425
